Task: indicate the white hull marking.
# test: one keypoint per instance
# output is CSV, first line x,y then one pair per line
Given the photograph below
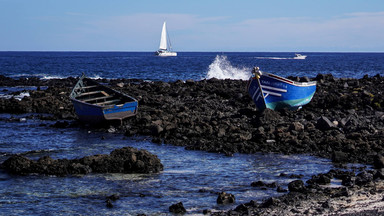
x,y
272,93
273,88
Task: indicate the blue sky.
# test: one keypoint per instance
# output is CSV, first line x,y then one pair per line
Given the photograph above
x,y
198,25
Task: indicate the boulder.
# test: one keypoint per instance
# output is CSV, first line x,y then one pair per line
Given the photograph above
x,y
109,203
177,208
263,184
339,157
281,190
378,162
363,178
321,179
323,124
270,202
297,186
124,160
348,181
18,165
267,117
225,198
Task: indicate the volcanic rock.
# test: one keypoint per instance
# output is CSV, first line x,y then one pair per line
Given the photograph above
x,y
225,198
323,123
124,160
297,186
177,208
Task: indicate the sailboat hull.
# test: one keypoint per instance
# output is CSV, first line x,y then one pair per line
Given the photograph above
x,y
166,53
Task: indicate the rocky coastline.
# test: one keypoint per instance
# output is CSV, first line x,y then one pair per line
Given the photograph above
x,y
124,160
344,122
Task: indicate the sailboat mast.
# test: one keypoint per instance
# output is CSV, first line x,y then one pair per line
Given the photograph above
x,y
169,41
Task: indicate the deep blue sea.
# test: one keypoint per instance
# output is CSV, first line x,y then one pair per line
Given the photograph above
x,y
191,177
187,65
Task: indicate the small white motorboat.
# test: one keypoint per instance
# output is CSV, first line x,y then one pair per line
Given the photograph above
x,y
299,56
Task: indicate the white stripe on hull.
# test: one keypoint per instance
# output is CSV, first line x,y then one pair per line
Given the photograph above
x,y
273,88
271,93
257,90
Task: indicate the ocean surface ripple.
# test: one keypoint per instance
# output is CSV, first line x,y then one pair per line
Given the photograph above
x,y
187,65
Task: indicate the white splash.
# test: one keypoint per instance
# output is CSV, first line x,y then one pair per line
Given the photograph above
x,y
221,68
17,97
95,76
272,58
49,77
38,75
22,95
279,58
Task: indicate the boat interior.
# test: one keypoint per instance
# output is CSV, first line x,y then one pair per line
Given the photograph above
x,y
96,95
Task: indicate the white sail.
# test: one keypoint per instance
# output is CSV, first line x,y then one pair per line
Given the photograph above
x,y
163,40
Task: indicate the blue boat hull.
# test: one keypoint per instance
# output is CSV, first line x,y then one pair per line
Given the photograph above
x,y
95,103
95,114
275,92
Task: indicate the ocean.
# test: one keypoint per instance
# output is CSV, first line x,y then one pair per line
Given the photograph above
x,y
187,65
191,177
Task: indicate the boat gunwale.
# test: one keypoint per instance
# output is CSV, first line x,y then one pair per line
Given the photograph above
x,y
288,81
109,106
73,94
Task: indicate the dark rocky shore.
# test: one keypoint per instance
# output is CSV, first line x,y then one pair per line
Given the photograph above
x,y
344,121
125,160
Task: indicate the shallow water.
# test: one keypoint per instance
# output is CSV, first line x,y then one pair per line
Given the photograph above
x,y
191,177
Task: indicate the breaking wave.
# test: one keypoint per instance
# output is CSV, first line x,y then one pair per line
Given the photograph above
x,y
49,77
221,68
278,58
272,58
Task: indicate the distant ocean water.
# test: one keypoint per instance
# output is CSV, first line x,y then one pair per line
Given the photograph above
x,y
187,65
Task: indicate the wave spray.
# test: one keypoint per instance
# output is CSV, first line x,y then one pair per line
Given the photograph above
x,y
221,68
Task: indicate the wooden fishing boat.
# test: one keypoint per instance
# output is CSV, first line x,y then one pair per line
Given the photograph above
x,y
275,92
95,103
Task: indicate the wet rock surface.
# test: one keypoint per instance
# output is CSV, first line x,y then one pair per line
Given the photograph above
x,y
225,198
177,208
344,122
312,198
124,160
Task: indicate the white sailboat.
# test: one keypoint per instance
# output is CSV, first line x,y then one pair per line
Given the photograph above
x,y
164,50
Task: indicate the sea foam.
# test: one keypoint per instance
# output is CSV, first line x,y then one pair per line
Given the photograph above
x,y
221,68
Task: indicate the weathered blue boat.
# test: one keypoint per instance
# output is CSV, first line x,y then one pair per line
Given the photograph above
x,y
275,92
95,103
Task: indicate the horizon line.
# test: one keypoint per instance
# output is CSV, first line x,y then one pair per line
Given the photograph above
x,y
195,51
